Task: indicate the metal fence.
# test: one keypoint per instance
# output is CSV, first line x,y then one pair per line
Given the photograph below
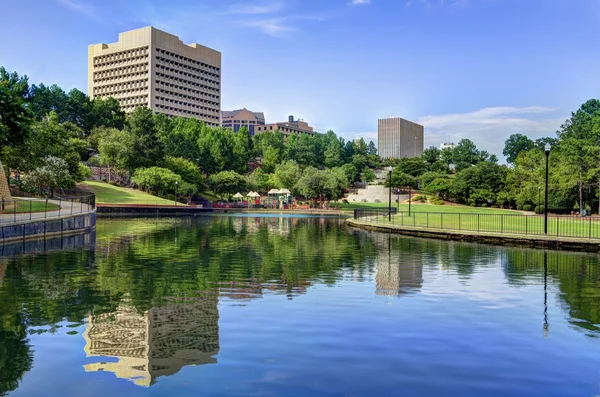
x,y
22,209
558,225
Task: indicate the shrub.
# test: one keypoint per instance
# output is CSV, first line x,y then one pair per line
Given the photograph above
x,y
519,207
495,206
539,209
156,180
473,205
187,170
83,173
527,207
114,183
484,205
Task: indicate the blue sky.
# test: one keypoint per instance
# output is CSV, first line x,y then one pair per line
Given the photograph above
x,y
478,69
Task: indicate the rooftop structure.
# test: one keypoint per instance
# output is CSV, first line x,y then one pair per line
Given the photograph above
x,y
236,119
290,127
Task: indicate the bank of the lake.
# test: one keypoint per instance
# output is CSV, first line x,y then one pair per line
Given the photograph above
x,y
518,240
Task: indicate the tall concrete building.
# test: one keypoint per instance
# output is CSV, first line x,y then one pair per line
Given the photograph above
x,y
236,119
397,138
149,67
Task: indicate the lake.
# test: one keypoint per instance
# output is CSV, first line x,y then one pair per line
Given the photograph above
x,y
295,306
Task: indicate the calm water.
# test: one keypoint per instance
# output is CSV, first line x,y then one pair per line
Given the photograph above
x,y
232,306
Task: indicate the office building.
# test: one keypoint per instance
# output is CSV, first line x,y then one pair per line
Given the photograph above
x,y
149,67
447,145
397,138
236,119
288,128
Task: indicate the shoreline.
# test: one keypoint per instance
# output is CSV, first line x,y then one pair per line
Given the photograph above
x,y
529,241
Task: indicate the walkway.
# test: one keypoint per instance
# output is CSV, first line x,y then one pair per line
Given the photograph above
x,y
65,209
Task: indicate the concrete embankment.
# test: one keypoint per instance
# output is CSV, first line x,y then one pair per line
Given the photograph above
x,y
532,241
44,228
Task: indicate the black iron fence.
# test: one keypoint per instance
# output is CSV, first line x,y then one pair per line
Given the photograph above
x,y
24,209
520,224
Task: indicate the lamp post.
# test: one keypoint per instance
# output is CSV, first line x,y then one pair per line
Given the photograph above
x,y
390,200
539,190
547,152
176,189
398,200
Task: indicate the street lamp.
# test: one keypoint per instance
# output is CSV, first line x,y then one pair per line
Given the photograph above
x,y
176,189
409,198
539,190
398,200
390,200
547,151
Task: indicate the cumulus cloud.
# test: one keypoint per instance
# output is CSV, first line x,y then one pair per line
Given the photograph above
x,y
490,127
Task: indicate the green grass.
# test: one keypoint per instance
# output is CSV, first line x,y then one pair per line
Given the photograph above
x,y
422,207
506,223
23,206
109,194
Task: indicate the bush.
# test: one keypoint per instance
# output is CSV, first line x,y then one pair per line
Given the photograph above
x,y
114,183
156,180
473,205
495,206
527,207
519,207
83,173
539,209
187,170
484,205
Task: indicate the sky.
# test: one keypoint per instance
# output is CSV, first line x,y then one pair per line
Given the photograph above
x,y
477,69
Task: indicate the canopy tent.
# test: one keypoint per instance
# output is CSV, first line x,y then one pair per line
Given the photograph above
x,y
253,194
273,191
285,191
238,195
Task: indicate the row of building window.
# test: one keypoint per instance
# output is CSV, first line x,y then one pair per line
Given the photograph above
x,y
185,112
131,108
181,69
121,55
172,55
238,122
112,76
188,97
121,87
188,75
185,68
115,64
182,103
178,87
184,81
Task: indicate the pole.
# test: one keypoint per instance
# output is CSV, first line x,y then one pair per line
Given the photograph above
x,y
398,201
539,201
547,151
390,200
409,196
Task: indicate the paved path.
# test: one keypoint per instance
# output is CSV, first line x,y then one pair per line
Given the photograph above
x,y
65,208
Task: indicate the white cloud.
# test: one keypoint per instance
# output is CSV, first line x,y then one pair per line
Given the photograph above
x,y
276,27
360,2
252,9
490,127
80,7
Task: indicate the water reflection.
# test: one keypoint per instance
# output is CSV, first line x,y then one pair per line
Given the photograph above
x,y
151,297
155,343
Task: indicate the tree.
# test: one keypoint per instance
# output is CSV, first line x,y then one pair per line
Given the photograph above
x,y
227,183
188,171
368,175
156,180
147,149
114,149
334,151
286,175
54,173
15,116
465,151
270,147
319,184
431,155
259,180
242,150
515,144
400,178
413,166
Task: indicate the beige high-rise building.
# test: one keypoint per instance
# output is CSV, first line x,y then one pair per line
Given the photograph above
x,y
149,67
397,138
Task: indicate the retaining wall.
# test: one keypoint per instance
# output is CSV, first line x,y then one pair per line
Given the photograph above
x,y
42,228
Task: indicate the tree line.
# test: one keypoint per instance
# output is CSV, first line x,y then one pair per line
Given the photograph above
x,y
46,133
467,175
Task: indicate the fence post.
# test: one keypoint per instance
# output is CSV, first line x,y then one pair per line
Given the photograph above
x,y
428,220
441,220
459,221
15,211
478,223
71,206
30,209
557,222
526,224
501,224
590,228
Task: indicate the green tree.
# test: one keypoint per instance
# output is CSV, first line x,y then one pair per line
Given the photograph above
x,y
368,175
147,149
242,150
114,149
227,183
334,151
318,184
188,171
286,175
15,116
413,166
515,144
400,178
156,180
259,180
431,155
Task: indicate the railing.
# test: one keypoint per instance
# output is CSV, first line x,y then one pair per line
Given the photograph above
x,y
21,210
519,224
373,213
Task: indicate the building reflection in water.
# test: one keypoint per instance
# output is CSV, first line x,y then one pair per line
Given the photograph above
x,y
399,268
158,342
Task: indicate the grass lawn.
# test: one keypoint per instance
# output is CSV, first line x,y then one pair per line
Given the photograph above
x,y
507,222
422,207
27,206
109,194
